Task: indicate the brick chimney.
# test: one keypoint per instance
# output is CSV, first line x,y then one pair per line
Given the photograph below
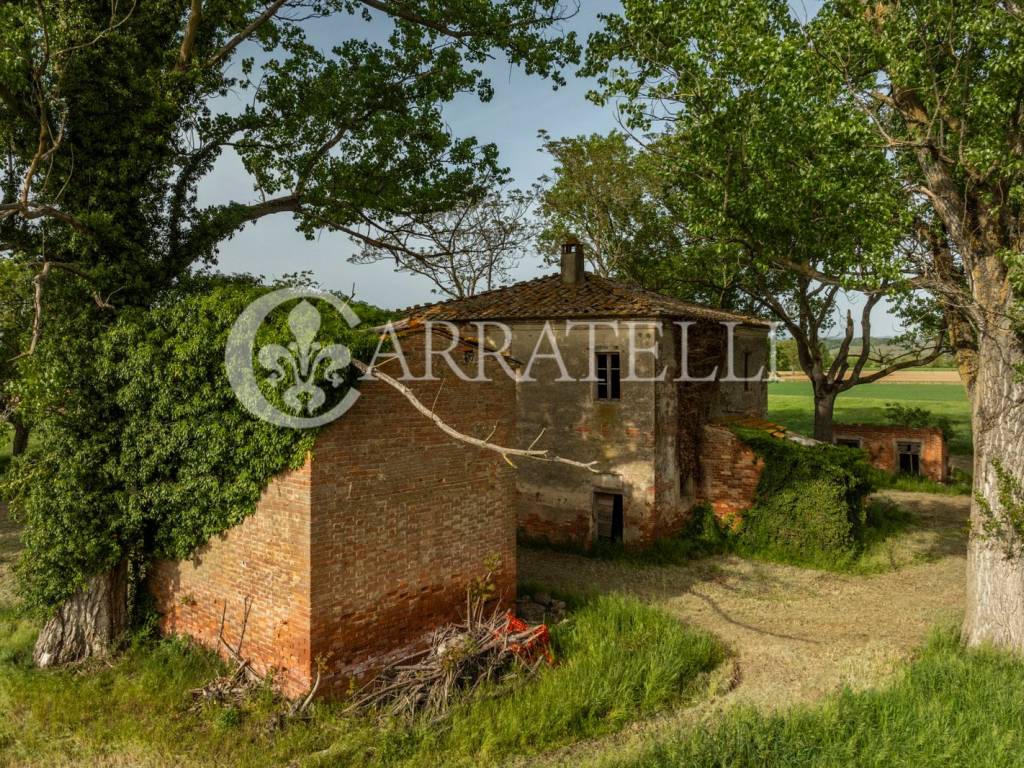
x,y
572,261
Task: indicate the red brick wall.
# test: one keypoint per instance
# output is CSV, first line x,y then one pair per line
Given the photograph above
x,y
731,472
880,444
371,544
265,560
404,518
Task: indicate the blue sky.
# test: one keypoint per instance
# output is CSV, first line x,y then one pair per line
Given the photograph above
x,y
521,107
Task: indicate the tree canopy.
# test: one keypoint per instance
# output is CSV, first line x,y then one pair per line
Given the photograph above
x,y
820,150
941,84
111,118
768,170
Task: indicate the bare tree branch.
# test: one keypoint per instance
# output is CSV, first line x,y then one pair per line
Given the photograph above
x,y
469,249
31,211
37,300
504,452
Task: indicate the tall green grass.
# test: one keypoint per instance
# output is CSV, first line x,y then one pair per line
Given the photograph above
x,y
622,660
951,707
959,484
619,660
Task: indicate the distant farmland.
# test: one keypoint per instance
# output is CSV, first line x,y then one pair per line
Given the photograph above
x,y
911,375
791,404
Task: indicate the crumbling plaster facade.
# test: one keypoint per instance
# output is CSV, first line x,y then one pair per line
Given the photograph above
x,y
647,444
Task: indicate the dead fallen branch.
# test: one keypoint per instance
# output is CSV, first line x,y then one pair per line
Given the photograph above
x,y
239,685
505,452
460,658
225,690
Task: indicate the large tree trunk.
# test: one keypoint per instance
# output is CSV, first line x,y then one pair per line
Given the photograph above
x,y
995,583
20,436
87,625
824,413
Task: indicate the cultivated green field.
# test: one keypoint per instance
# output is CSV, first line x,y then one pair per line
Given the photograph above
x,y
791,404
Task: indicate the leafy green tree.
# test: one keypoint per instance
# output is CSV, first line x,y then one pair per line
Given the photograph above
x,y
941,85
111,117
15,330
609,195
937,84
767,169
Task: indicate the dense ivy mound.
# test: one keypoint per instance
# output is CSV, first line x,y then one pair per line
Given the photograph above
x,y
809,507
142,447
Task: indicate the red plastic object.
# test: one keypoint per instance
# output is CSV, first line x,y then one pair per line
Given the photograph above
x,y
538,644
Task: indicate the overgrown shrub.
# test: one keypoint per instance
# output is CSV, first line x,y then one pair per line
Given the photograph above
x,y
910,416
809,505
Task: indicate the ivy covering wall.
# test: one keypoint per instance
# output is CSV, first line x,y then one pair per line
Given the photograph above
x,y
142,448
810,502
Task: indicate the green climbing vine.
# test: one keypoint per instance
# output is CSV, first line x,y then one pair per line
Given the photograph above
x,y
142,448
809,505
1005,525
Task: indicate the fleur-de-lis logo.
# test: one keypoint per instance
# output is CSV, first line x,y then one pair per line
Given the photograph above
x,y
298,366
304,358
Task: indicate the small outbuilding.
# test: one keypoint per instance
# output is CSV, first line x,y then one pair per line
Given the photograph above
x,y
919,451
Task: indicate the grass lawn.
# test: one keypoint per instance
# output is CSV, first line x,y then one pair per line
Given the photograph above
x,y
791,404
950,707
620,660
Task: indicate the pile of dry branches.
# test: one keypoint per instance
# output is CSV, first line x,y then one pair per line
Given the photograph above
x,y
235,688
459,659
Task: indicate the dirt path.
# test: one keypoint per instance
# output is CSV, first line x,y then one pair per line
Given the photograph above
x,y
797,634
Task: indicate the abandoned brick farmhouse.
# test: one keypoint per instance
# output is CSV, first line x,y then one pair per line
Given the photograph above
x,y
646,436
358,554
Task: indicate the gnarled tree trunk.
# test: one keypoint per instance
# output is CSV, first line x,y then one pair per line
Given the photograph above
x,y
88,624
995,583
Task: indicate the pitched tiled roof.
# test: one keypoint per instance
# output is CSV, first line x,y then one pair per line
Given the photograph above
x,y
548,298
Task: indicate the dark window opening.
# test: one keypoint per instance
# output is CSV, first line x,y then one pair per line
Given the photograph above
x,y
686,485
608,507
848,442
608,386
909,457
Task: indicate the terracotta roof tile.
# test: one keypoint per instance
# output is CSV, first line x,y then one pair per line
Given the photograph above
x,y
548,298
